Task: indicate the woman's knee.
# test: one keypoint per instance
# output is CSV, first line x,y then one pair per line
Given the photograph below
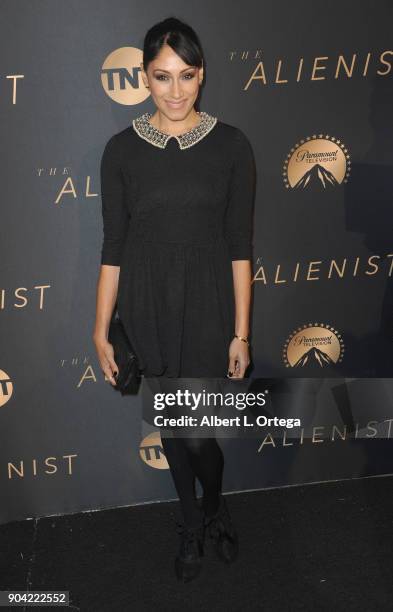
x,y
198,446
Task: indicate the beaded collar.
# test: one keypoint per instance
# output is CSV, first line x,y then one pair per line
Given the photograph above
x,y
148,132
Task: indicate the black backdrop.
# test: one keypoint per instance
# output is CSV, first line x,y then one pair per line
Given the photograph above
x,y
312,89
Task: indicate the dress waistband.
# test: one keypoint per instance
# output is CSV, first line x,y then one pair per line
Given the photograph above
x,y
137,236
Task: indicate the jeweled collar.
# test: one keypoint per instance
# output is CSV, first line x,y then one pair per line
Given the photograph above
x,y
148,132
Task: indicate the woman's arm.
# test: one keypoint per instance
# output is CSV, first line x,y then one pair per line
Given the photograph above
x,y
115,226
107,287
238,231
239,358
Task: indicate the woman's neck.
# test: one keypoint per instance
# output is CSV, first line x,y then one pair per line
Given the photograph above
x,y
175,128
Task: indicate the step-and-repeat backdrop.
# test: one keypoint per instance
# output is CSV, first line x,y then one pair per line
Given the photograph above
x,y
312,89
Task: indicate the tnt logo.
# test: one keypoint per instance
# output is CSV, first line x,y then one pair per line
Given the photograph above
x,y
6,388
121,76
151,451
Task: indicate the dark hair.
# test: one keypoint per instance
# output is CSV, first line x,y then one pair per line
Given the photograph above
x,y
179,36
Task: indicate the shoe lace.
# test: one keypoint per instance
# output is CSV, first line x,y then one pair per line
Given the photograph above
x,y
188,535
220,523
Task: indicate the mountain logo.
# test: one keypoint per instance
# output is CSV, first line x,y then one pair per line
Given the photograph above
x,y
317,162
314,345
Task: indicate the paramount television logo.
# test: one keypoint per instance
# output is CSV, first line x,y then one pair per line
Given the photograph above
x,y
313,346
320,162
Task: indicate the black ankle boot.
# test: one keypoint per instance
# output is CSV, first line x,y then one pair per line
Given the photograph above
x,y
188,562
220,529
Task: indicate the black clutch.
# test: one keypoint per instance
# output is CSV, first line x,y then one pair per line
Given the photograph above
x,y
129,376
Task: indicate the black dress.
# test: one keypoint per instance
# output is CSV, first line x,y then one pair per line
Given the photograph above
x,y
177,210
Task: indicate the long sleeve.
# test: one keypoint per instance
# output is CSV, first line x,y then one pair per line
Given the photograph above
x,y
114,211
240,208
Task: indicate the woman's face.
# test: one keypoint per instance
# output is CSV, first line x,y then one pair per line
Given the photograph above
x,y
174,85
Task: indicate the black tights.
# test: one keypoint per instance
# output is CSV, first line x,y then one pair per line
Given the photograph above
x,y
190,457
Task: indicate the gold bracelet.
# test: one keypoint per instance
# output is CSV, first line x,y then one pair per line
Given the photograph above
x,y
244,339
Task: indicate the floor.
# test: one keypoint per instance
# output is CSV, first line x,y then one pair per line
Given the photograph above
x,y
324,546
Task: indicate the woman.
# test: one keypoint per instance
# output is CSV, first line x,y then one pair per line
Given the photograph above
x,y
177,200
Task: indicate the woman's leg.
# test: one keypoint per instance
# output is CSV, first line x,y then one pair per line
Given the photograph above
x,y
183,477
189,455
207,461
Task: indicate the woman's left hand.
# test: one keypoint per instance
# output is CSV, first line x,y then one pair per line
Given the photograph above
x,y
239,358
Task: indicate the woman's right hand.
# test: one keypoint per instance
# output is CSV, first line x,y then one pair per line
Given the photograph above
x,y
105,354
